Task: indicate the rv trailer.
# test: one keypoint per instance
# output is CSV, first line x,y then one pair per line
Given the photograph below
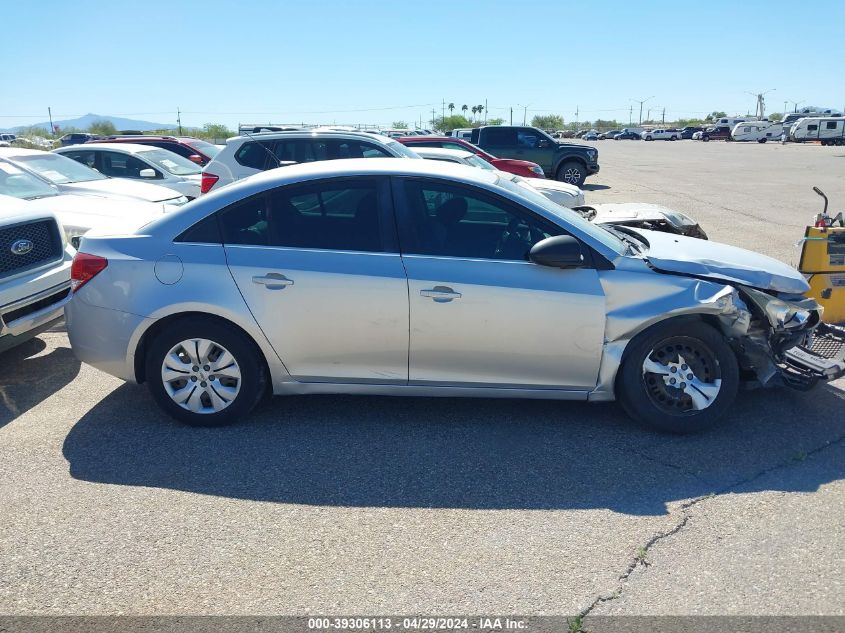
x,y
828,130
760,131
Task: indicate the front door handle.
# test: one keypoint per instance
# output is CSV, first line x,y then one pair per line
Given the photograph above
x,y
273,281
441,294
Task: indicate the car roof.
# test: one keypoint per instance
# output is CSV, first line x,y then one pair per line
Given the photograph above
x,y
129,148
259,136
442,151
9,152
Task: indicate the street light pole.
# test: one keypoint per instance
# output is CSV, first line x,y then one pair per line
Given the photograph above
x,y
641,102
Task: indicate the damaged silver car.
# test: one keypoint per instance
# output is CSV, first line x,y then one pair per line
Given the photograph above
x,y
414,278
643,215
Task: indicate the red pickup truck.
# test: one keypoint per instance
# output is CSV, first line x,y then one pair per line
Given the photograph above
x,y
519,167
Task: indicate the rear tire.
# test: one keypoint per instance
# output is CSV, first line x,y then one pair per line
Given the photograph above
x,y
673,352
705,138
572,172
205,372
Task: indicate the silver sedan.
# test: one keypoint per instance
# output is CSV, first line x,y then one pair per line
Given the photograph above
x,y
392,277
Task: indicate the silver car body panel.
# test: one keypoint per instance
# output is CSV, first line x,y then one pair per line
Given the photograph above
x,y
689,256
412,325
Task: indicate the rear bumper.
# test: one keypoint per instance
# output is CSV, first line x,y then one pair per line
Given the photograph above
x,y
824,359
101,337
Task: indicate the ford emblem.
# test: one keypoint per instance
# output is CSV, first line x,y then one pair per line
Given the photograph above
x,y
22,247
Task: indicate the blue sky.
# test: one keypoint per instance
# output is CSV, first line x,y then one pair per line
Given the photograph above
x,y
362,61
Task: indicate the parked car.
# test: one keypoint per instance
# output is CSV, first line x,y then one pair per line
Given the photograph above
x,y
194,149
609,135
628,135
294,282
78,214
688,131
139,162
715,134
70,176
248,155
661,134
6,139
519,167
35,261
568,162
560,192
75,138
591,136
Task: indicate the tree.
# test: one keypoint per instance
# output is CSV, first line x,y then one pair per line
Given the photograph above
x,y
400,125
451,107
464,109
103,127
480,109
715,115
496,121
474,111
216,131
547,121
775,116
449,123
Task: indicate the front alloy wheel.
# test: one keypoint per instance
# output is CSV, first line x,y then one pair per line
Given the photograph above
x,y
682,376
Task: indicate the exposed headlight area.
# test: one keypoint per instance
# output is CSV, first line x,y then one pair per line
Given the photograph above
x,y
785,313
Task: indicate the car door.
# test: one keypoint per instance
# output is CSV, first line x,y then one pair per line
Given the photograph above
x,y
481,314
319,268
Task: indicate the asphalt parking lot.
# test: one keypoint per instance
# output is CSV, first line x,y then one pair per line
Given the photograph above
x,y
331,504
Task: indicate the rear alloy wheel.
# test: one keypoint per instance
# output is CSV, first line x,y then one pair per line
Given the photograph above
x,y
572,172
679,377
205,372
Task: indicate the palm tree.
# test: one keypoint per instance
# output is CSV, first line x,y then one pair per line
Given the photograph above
x,y
451,107
480,109
474,110
464,109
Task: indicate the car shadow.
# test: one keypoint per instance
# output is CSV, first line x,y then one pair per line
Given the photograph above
x,y
586,187
27,378
458,453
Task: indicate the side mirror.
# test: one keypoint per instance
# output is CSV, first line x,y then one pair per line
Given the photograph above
x,y
195,158
560,251
147,173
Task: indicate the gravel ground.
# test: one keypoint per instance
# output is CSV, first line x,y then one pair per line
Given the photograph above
x,y
393,505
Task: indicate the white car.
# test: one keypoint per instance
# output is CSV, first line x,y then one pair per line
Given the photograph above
x,y
78,214
248,155
144,162
69,176
561,193
661,134
35,261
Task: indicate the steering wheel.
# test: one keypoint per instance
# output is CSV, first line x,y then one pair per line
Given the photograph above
x,y
518,236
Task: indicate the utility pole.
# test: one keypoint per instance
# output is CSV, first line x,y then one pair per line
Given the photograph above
x,y
485,112
511,115
795,105
760,110
443,111
50,115
179,120
641,102
630,114
524,114
576,118
663,116
432,118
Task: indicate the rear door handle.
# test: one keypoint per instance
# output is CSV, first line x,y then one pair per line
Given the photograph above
x,y
273,281
441,294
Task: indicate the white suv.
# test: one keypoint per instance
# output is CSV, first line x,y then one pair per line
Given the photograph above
x,y
245,156
661,135
35,262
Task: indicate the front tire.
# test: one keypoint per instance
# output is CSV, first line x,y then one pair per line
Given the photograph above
x,y
572,172
678,377
205,372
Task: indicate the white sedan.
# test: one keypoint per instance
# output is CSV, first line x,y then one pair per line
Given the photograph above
x,y
559,192
69,176
129,160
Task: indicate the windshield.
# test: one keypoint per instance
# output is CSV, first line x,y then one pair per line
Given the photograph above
x,y
568,216
60,170
17,183
401,150
206,148
477,161
170,162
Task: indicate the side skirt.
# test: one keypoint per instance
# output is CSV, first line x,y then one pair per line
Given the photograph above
x,y
427,391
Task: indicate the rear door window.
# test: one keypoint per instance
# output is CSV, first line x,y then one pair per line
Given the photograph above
x,y
253,155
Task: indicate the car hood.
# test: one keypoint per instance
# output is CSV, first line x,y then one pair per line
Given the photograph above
x,y
90,211
638,212
127,188
553,185
702,258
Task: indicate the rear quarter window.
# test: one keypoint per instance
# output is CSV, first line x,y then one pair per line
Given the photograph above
x,y
253,155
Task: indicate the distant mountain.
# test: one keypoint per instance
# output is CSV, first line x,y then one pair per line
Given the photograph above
x,y
84,121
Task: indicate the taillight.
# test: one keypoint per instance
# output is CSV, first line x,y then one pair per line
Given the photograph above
x,y
84,268
208,181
